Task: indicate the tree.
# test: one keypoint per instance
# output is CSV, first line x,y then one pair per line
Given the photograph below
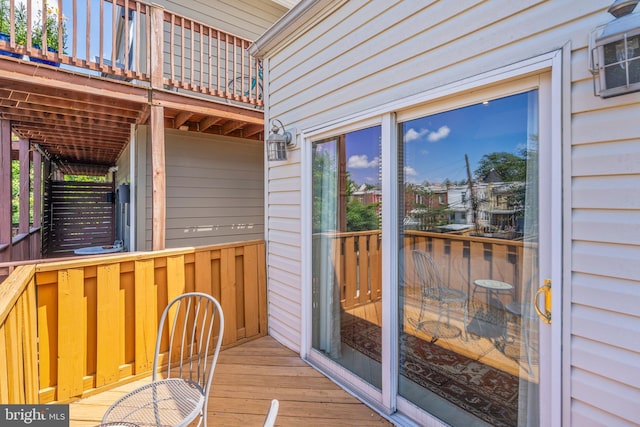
x,y
510,167
361,217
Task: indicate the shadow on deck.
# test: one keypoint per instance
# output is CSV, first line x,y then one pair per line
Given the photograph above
x,y
247,377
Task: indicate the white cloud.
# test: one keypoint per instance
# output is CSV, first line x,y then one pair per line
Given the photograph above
x,y
413,134
362,162
441,133
409,171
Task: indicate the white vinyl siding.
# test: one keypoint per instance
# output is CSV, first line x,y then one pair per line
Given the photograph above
x,y
368,54
215,190
244,18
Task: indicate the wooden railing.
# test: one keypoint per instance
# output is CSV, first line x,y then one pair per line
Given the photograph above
x,y
134,41
96,318
461,259
18,338
23,247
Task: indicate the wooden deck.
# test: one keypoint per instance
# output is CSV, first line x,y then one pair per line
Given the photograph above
x,y
247,377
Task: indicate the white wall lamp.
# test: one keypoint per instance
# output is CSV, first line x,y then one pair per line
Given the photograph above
x,y
615,52
277,143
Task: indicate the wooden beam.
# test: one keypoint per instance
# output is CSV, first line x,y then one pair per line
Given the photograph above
x,y
252,130
230,126
158,165
5,188
184,102
24,199
181,119
207,122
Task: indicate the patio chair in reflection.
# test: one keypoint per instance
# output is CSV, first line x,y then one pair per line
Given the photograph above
x,y
523,311
433,291
192,325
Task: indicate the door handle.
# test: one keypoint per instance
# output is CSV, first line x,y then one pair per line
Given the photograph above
x,y
546,289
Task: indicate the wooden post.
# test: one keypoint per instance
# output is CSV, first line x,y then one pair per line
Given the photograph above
x,y
37,189
158,178
156,43
5,188
24,204
36,244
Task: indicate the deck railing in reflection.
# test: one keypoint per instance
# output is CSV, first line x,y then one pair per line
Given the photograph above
x,y
133,41
461,259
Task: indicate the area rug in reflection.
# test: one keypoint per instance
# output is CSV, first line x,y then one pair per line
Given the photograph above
x,y
482,390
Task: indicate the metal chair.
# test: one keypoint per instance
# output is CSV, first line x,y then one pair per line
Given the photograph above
x,y
270,419
433,290
194,324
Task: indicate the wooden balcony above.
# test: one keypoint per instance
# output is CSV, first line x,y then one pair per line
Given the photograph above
x,y
62,90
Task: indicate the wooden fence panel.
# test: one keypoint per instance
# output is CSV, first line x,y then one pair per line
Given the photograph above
x,y
82,214
109,327
96,319
71,333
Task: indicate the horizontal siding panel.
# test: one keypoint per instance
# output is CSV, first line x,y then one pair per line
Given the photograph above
x,y
287,170
219,178
611,192
621,227
284,184
238,232
210,240
227,198
285,197
619,261
614,363
280,250
607,395
284,334
288,238
284,225
282,211
610,124
607,327
286,270
288,295
584,415
213,212
220,221
284,316
613,158
615,295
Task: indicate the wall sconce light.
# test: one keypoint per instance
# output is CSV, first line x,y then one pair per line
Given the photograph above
x,y
615,52
277,142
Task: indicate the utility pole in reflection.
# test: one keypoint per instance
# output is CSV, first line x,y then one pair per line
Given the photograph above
x,y
472,195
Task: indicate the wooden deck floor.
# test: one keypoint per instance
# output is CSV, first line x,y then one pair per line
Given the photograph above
x,y
246,379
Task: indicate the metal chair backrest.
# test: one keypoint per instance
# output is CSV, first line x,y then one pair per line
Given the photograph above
x,y
428,274
192,326
270,419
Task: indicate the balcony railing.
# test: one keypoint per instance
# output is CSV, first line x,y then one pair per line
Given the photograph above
x,y
462,259
134,41
73,328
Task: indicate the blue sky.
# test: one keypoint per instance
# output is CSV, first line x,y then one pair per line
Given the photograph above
x,y
435,145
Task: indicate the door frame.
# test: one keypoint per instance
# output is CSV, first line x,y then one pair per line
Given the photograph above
x,y
387,402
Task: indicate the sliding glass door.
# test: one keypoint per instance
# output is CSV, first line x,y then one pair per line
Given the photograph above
x,y
346,241
466,245
468,338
